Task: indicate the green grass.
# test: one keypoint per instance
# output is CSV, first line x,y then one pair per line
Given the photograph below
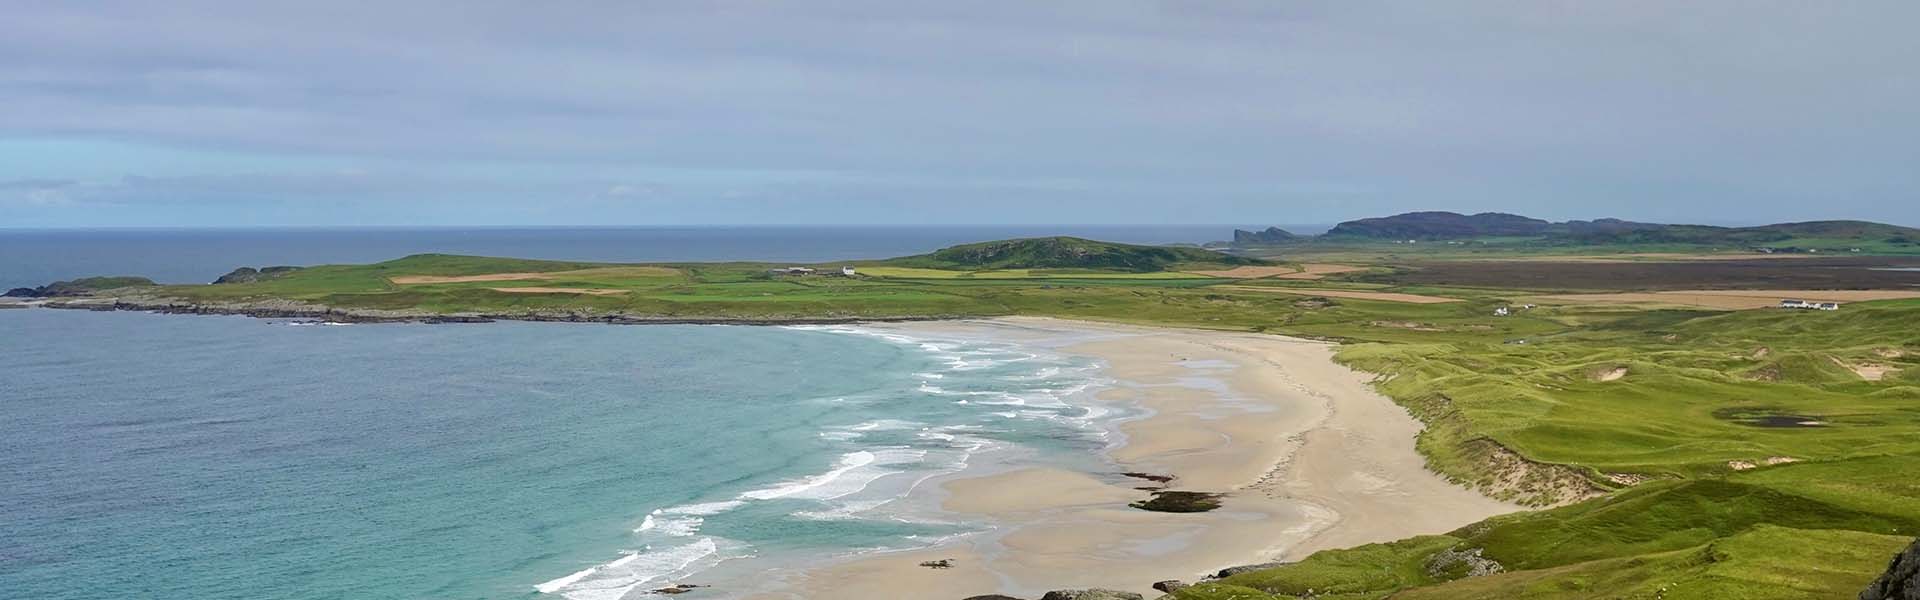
x,y
1068,253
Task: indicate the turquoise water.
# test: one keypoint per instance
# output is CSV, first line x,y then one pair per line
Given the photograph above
x,y
155,456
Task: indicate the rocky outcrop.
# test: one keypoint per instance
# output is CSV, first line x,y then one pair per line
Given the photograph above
x,y
1901,581
1232,571
1179,502
1091,594
1170,586
84,286
1453,563
990,597
250,274
1270,235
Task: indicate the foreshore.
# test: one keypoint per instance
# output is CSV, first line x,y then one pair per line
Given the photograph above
x,y
1308,455
288,309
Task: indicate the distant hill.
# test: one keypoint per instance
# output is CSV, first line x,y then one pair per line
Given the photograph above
x,y
1270,235
1440,225
1068,253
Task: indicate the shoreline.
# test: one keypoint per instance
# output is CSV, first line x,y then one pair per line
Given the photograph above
x,y
280,309
1310,458
1308,455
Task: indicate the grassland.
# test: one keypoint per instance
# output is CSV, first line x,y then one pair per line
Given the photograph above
x,y
1674,453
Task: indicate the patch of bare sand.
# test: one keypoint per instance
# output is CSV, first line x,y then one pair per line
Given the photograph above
x,y
1613,374
559,290
1729,299
1867,371
1310,456
1354,294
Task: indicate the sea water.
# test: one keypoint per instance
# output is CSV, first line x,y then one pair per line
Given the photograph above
x,y
215,457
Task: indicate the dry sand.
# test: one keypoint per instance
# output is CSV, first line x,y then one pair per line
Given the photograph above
x,y
1867,371
1355,294
1730,299
1311,457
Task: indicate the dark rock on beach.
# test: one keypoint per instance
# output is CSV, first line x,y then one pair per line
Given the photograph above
x,y
1091,594
1170,586
1232,571
1901,581
1179,502
991,597
1149,476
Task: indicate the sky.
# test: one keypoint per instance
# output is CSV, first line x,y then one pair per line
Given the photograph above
x,y
264,113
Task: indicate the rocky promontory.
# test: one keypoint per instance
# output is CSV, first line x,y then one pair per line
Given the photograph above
x,y
251,275
84,286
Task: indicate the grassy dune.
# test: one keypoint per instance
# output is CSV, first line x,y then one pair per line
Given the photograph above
x,y
1691,507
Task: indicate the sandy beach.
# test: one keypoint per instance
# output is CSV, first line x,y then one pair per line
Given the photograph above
x,y
1310,458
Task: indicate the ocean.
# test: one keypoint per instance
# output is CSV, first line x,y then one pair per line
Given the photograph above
x,y
36,257
216,457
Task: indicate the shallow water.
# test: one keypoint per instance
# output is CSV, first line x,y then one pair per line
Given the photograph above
x,y
156,456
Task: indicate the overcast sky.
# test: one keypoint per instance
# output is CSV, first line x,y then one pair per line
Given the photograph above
x,y
185,113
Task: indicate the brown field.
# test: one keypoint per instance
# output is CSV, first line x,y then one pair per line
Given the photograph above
x,y
1305,271
559,290
422,279
594,272
1730,299
1855,273
1645,257
1357,295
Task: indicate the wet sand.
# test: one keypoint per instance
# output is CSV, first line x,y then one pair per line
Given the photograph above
x,y
1310,458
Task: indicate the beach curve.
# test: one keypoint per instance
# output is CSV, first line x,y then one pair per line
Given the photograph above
x,y
1309,455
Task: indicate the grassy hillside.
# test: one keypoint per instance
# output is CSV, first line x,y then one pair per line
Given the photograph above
x,y
1500,231
1069,253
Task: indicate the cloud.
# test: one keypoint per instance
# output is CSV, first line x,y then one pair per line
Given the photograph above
x,y
1563,109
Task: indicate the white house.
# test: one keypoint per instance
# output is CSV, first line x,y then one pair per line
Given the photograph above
x,y
1809,305
847,271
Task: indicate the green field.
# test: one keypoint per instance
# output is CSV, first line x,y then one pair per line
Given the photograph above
x,y
1673,453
